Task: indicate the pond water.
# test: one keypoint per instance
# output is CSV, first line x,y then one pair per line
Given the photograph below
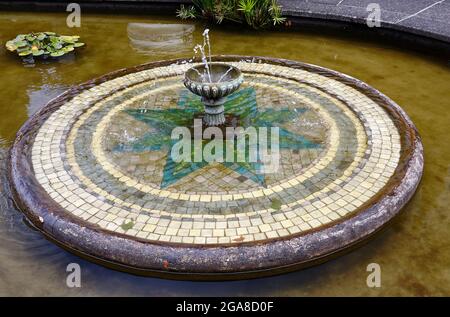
x,y
414,252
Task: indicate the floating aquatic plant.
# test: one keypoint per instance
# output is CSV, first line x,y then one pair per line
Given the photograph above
x,y
43,44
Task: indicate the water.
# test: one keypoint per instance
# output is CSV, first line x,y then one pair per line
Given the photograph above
x,y
150,38
225,74
206,60
414,253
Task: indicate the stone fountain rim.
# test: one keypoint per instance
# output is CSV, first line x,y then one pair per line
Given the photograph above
x,y
234,261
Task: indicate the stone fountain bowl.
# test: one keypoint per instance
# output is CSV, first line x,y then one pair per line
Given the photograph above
x,y
197,84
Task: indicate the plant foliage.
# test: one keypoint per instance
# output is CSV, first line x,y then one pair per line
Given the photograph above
x,y
43,44
255,13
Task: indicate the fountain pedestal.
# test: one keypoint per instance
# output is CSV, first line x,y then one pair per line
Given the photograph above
x,y
214,111
224,79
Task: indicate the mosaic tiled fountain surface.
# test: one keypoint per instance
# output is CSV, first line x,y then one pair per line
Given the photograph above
x,y
93,170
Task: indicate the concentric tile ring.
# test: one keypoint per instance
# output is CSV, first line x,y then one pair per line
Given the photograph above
x,y
362,149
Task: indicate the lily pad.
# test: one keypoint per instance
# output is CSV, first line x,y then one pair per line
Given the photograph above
x,y
43,44
25,53
57,53
38,52
68,39
11,46
57,45
68,49
41,36
21,43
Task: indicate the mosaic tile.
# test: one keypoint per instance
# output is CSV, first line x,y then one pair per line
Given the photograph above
x,y
107,160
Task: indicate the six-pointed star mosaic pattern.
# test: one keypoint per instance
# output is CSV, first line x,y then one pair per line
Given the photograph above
x,y
242,107
104,157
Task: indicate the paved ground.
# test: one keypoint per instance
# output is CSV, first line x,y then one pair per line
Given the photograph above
x,y
424,17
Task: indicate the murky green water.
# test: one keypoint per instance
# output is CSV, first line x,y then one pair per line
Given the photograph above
x,y
414,253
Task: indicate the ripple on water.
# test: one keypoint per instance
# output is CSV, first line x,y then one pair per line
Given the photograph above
x,y
26,257
31,265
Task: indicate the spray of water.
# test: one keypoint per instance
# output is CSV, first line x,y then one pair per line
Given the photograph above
x,y
224,74
201,49
206,41
200,74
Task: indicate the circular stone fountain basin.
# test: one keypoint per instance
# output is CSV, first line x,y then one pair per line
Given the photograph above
x,y
92,171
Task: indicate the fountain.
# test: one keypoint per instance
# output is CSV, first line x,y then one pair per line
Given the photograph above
x,y
224,80
350,158
213,82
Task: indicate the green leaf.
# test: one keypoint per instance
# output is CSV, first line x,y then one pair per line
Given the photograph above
x,y
57,53
23,49
25,53
21,43
68,49
127,226
276,204
30,37
54,39
43,43
11,46
57,45
37,52
41,36
67,39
